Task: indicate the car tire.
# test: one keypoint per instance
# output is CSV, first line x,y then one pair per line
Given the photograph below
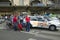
x,y
52,27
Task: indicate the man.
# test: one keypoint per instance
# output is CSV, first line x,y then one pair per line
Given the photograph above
x,y
27,23
15,23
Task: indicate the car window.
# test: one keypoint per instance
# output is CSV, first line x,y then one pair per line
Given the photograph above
x,y
33,19
40,19
47,18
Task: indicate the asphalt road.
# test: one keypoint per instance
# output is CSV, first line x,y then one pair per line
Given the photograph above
x,y
16,35
34,34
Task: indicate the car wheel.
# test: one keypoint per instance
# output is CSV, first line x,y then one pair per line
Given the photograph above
x,y
52,28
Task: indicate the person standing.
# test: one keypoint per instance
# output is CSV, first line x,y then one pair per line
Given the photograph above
x,y
15,23
27,23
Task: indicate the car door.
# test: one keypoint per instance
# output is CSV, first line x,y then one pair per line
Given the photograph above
x,y
34,22
42,22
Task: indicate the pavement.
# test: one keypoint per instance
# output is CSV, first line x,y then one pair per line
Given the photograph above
x,y
16,35
34,34
52,35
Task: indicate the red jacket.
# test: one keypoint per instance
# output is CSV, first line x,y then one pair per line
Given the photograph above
x,y
27,19
14,19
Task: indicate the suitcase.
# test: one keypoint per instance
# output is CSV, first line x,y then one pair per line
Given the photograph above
x,y
20,26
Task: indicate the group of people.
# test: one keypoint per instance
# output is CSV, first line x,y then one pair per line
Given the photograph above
x,y
18,22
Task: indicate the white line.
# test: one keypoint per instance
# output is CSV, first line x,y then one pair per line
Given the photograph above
x,y
31,39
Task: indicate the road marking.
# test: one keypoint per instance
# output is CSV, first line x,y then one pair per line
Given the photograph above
x,y
43,36
36,33
31,39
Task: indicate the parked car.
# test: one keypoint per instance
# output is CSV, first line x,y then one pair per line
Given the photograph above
x,y
49,23
44,23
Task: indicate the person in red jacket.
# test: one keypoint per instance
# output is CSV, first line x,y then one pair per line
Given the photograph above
x,y
27,23
15,23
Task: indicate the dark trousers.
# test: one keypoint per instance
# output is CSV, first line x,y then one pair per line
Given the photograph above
x,y
28,27
15,26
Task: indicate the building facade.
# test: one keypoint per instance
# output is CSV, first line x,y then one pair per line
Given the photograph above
x,y
38,6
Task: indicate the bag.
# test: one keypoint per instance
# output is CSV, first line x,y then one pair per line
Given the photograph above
x,y
20,26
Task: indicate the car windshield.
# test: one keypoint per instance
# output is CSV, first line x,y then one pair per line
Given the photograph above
x,y
33,18
54,18
47,18
51,18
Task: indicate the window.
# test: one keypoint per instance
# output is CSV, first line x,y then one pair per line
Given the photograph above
x,y
33,19
40,19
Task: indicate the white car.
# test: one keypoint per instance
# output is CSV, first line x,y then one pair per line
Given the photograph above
x,y
44,23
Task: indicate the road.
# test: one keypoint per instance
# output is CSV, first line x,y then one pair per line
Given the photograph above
x,y
34,34
16,35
